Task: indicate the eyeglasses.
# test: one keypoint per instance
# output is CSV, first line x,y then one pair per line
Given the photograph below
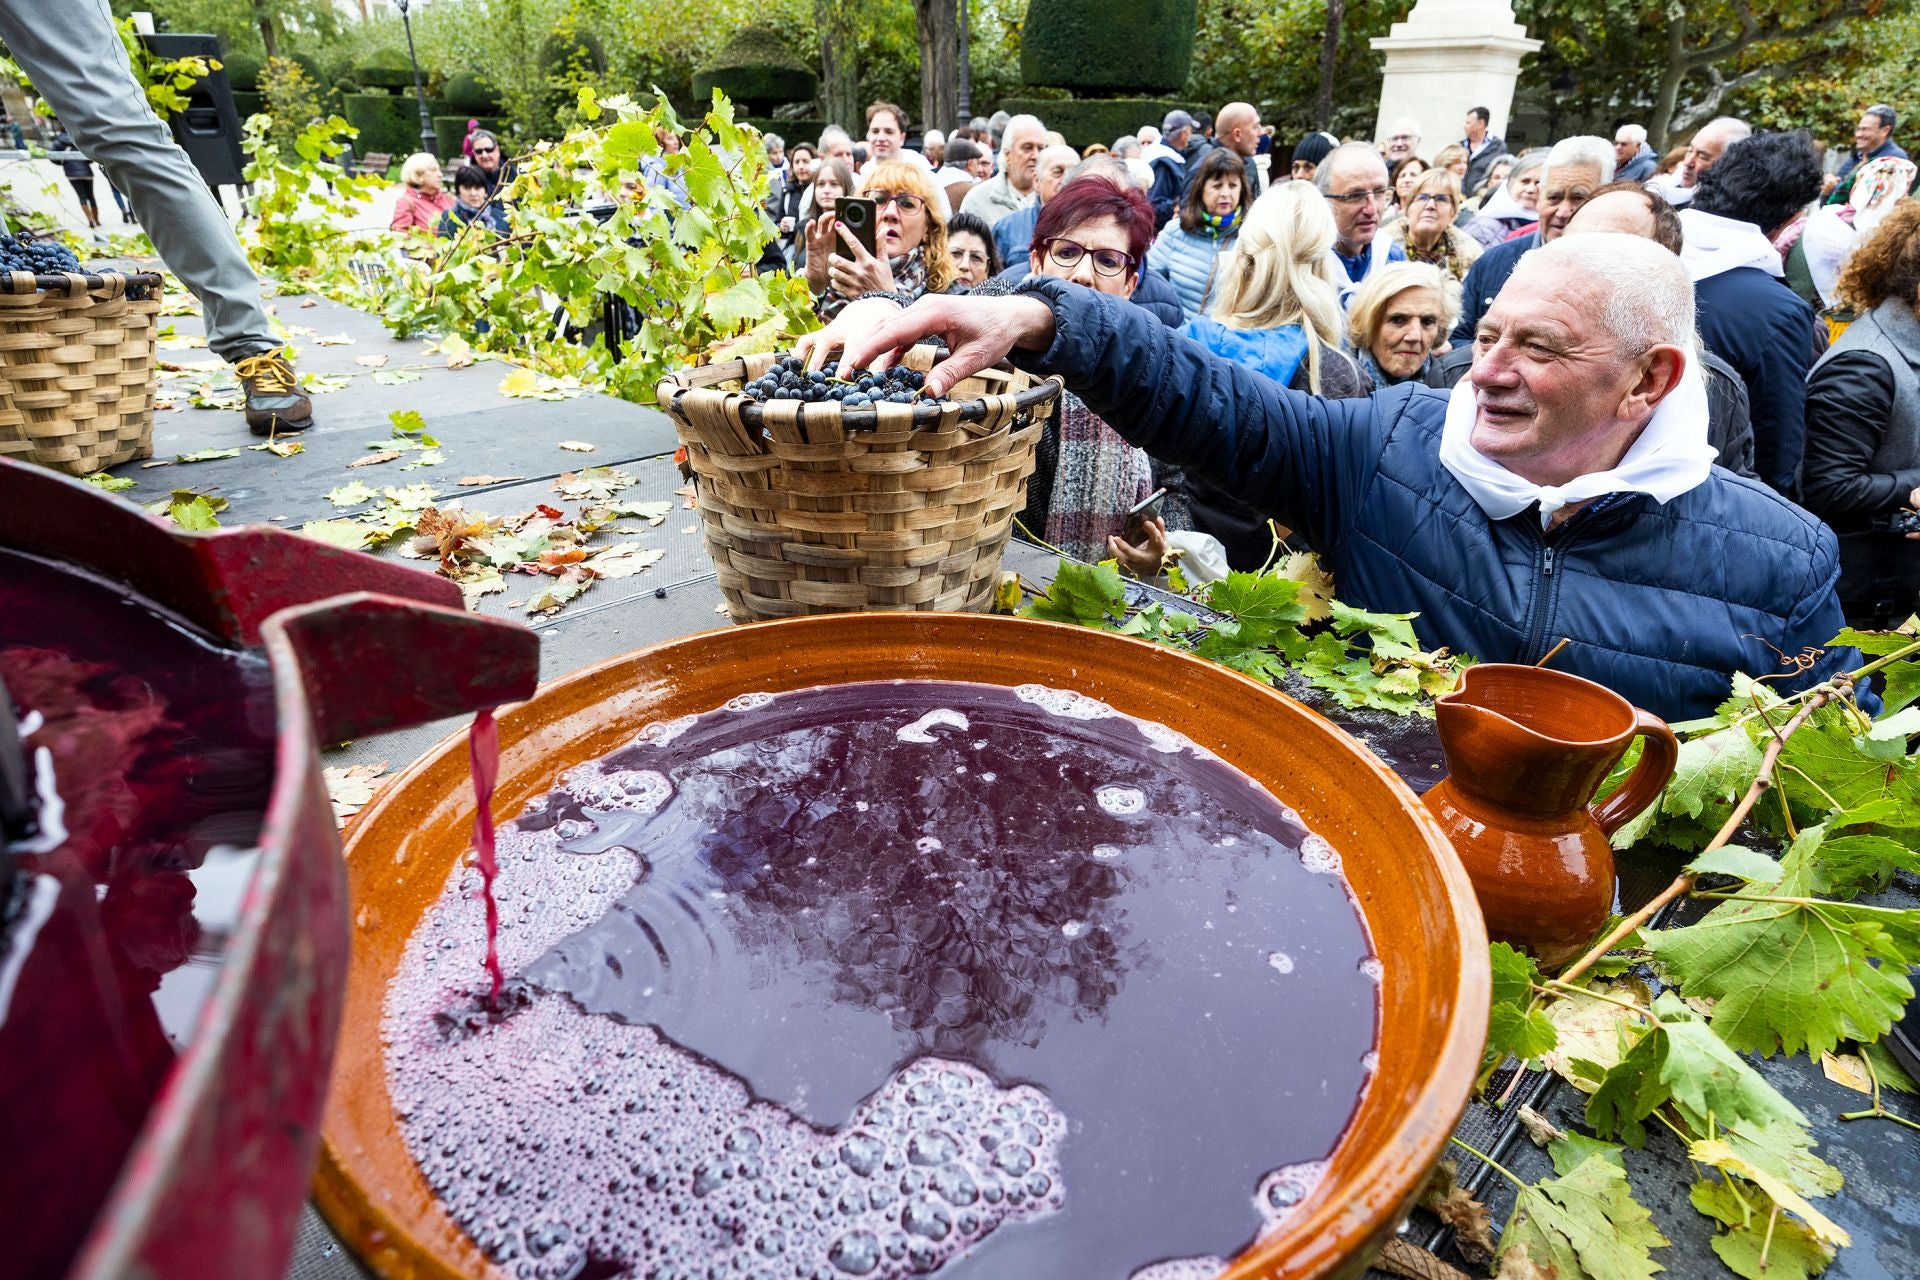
x,y
905,200
1379,195
1107,262
1433,197
486,151
971,255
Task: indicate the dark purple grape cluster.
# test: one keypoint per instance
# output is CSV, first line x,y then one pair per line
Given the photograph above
x,y
788,379
41,257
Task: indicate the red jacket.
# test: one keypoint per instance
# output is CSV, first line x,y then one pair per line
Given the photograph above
x,y
418,209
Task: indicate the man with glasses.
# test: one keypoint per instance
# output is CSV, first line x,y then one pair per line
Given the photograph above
x,y
490,160
1012,188
1014,233
1353,178
1403,140
1576,168
74,57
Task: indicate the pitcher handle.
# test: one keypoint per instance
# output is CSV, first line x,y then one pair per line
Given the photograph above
x,y
1659,753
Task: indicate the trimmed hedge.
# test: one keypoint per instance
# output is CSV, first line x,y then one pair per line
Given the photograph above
x,y
469,93
757,71
1109,45
794,131
387,122
243,71
1085,121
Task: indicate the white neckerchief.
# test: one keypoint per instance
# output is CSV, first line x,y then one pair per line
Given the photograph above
x,y
1670,457
1715,245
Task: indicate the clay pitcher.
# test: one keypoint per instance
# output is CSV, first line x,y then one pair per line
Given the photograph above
x,y
1526,751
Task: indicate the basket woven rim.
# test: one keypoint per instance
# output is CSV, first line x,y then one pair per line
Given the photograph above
x,y
16,282
678,384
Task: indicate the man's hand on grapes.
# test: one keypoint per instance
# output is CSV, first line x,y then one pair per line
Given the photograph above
x,y
978,333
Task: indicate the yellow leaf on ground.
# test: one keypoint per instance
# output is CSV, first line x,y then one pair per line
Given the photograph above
x,y
1846,1069
1716,1152
375,459
371,362
577,446
336,340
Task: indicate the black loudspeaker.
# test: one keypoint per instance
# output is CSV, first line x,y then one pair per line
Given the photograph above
x,y
209,129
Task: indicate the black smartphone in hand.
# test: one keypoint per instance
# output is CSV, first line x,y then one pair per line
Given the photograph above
x,y
861,218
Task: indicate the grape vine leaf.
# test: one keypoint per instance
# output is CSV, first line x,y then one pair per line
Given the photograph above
x,y
350,534
1585,1224
1259,603
1716,1152
1592,1035
351,494
1514,1027
1757,1245
1853,864
1743,864
1090,595
112,484
1679,1058
1827,767
1792,972
193,511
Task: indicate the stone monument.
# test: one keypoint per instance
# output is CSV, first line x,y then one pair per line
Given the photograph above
x,y
1448,56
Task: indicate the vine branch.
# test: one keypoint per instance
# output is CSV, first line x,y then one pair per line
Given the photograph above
x,y
1683,884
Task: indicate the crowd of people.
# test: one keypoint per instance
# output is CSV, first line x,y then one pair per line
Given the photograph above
x,y
1777,401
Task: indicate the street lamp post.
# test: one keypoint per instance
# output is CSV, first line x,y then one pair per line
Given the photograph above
x,y
428,142
964,107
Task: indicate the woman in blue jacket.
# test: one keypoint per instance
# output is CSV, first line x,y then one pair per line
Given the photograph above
x,y
1210,214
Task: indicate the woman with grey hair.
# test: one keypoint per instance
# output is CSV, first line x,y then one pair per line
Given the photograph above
x,y
1514,205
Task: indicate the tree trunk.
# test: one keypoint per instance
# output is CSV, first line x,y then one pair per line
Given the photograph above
x,y
939,22
1671,75
1329,55
839,65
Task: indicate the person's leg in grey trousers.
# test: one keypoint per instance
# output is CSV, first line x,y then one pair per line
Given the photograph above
x,y
71,51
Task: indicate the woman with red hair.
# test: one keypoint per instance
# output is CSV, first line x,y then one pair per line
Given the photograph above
x,y
1096,233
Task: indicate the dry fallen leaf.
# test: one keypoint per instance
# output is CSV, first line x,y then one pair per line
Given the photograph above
x,y
1539,1128
1404,1258
310,302
475,480
1454,1205
1846,1069
577,446
336,340
375,459
351,788
371,362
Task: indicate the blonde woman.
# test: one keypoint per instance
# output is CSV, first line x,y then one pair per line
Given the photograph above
x,y
1427,233
1276,309
1398,320
911,235
423,198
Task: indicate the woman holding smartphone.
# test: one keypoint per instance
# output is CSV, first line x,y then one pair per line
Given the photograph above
x,y
831,180
909,253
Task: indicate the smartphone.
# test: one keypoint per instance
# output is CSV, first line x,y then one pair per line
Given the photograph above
x,y
861,217
1148,508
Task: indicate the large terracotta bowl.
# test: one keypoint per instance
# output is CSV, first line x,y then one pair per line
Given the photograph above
x,y
1417,900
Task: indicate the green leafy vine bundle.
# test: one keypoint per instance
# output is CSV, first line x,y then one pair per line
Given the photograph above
x,y
1791,810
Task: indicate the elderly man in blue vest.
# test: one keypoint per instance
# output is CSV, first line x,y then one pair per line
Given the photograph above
x,y
1564,489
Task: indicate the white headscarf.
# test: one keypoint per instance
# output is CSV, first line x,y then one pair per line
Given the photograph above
x,y
1715,245
1670,456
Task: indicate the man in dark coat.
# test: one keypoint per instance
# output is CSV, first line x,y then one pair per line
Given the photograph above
x,y
1872,139
1634,160
1483,148
1566,492
1747,313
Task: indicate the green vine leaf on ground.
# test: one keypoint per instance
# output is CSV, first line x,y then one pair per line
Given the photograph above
x,y
1585,1224
1759,1243
1678,1058
1515,1027
1720,1155
1793,972
1087,594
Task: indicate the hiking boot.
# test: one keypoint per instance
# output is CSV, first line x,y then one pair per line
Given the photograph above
x,y
274,402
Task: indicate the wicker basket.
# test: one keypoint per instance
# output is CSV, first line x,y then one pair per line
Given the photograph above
x,y
77,369
811,508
